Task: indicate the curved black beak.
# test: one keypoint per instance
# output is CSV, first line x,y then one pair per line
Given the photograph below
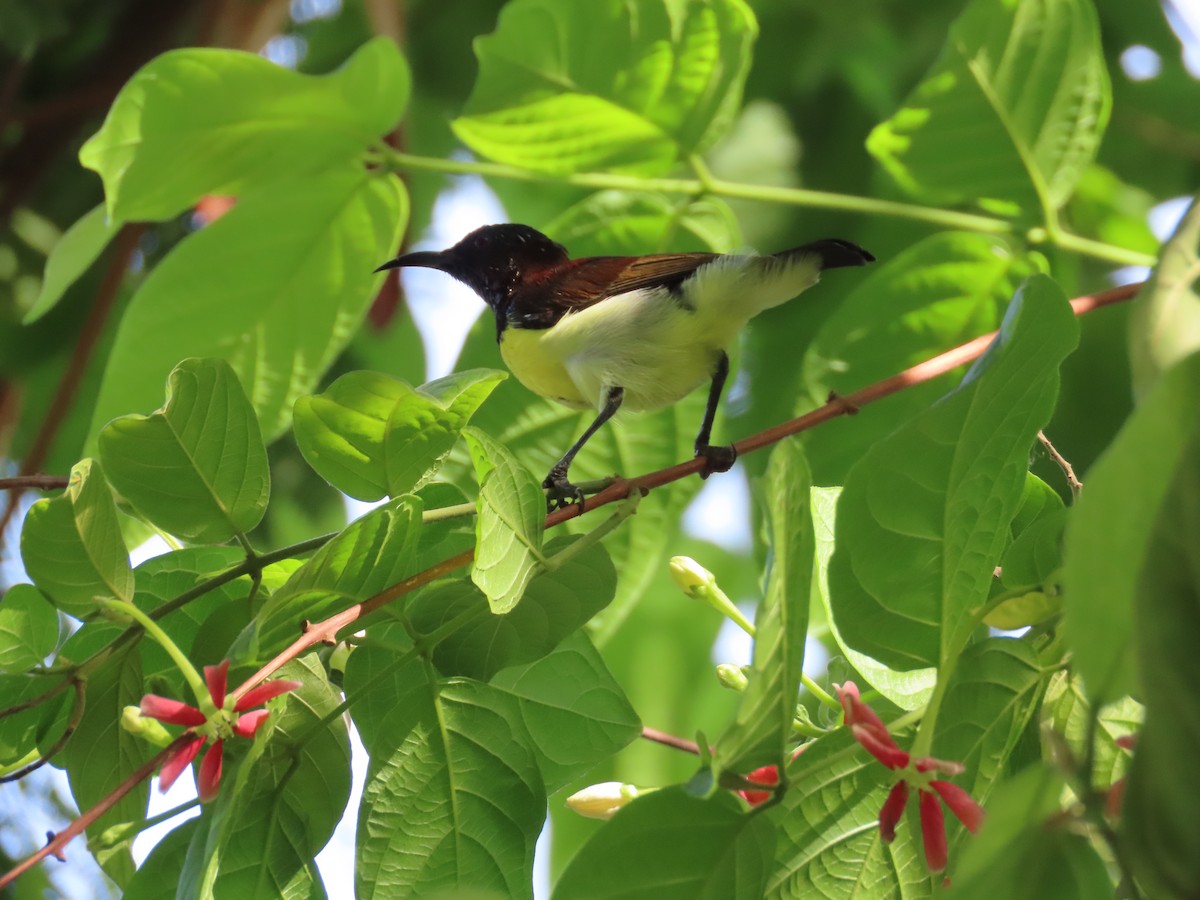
x,y
425,259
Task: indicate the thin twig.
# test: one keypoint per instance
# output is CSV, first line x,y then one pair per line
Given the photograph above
x,y
1068,470
72,724
670,740
38,482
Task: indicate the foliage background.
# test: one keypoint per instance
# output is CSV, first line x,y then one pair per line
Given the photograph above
x,y
823,77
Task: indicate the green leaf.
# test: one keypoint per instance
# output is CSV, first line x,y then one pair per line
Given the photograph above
x,y
24,733
606,85
1025,849
764,720
537,431
1066,709
102,754
615,223
207,121
28,628
925,514
276,287
909,690
1164,321
573,710
1132,495
670,844
455,802
372,553
371,435
828,825
74,253
163,865
512,517
286,797
557,602
72,546
936,294
197,468
1025,85
1159,825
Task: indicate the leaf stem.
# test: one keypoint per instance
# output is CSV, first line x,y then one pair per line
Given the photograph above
x,y
127,610
819,692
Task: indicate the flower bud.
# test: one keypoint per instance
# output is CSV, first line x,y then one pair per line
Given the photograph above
x,y
732,677
604,800
144,727
690,576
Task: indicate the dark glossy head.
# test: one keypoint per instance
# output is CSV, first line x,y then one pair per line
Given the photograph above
x,y
493,260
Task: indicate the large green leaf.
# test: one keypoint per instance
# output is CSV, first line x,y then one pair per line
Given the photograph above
x,y
925,514
28,628
566,87
939,293
575,713
509,526
371,435
907,689
763,724
1011,114
277,287
671,845
197,468
453,800
610,223
1164,322
557,602
1159,824
828,822
372,553
102,754
1023,851
75,251
1132,495
207,121
72,546
286,797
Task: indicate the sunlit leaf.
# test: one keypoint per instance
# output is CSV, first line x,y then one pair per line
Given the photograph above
x,y
75,251
28,628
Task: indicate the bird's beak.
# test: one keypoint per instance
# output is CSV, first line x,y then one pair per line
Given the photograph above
x,y
423,259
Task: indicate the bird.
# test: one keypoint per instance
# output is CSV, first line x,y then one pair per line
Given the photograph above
x,y
632,332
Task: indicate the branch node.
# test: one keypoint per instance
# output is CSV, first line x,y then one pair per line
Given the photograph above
x,y
57,852
847,406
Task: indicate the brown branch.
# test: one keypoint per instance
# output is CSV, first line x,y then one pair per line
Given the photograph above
x,y
670,740
327,630
124,246
1068,470
72,724
56,845
38,482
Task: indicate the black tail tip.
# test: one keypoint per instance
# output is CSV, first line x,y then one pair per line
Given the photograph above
x,y
837,254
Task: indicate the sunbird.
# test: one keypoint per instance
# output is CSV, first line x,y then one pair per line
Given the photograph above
x,y
639,332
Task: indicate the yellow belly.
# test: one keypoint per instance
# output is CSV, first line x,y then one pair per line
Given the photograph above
x,y
527,358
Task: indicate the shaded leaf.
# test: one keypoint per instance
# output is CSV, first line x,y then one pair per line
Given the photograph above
x,y
371,435
72,546
670,844
925,514
1164,321
1025,84
197,468
28,628
608,223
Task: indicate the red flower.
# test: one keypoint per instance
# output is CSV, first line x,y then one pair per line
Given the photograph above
x,y
870,731
768,775
221,726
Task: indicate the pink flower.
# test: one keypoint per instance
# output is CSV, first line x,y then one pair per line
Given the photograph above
x,y
221,726
870,731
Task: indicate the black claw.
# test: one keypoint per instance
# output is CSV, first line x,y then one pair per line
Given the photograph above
x,y
560,493
716,458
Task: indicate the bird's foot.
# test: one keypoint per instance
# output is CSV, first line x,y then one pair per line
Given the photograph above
x,y
561,493
716,458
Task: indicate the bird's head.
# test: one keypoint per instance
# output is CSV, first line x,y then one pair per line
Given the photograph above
x,y
493,260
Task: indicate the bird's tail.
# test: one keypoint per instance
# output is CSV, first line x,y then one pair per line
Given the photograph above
x,y
735,289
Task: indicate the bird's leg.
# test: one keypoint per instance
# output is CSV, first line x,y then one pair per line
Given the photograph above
x,y
719,458
560,493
